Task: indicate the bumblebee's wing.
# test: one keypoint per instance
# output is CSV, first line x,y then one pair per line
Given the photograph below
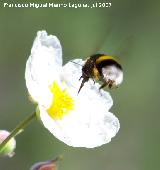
x,y
120,49
102,41
125,47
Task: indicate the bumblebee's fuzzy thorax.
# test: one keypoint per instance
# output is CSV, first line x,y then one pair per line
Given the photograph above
x,y
103,68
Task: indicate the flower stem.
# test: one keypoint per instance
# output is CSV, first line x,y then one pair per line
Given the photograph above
x,y
18,128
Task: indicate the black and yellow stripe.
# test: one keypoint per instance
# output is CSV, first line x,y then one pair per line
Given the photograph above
x,y
104,60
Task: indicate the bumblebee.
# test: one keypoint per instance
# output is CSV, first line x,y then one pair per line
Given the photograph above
x,y
104,68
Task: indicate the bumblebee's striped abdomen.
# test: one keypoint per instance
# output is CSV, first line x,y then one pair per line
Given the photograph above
x,y
103,61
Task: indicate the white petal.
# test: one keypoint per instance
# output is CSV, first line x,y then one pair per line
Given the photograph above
x,y
92,130
43,65
90,124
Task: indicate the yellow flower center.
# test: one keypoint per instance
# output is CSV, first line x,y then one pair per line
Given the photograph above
x,y
62,102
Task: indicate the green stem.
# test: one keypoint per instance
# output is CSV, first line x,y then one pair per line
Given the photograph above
x,y
17,129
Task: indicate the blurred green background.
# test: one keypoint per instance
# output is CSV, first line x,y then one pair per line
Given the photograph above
x,y
128,29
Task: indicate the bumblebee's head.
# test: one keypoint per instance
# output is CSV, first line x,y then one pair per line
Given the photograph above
x,y
113,75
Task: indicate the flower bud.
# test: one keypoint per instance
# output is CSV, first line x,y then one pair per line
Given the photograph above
x,y
47,165
8,149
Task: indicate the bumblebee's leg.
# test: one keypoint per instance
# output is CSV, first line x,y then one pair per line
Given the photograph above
x,y
103,85
110,83
93,80
82,84
80,78
84,76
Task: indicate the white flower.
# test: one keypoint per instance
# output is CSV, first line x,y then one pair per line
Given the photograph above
x,y
79,120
